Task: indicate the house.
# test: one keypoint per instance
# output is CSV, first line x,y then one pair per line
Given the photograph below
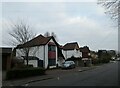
x,y
6,52
86,58
71,50
5,56
44,48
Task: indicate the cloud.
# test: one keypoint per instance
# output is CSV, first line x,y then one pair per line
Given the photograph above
x,y
50,0
85,23
100,10
81,21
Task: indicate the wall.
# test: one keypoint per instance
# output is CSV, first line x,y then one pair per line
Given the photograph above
x,y
33,62
34,51
70,53
19,52
56,55
37,51
60,61
45,61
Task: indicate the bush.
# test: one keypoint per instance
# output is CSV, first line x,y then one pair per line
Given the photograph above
x,y
105,60
95,61
24,72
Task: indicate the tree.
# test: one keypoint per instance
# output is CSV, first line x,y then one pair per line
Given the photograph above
x,y
112,8
47,34
54,35
21,33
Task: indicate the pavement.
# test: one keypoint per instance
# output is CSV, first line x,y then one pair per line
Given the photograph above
x,y
50,74
0,78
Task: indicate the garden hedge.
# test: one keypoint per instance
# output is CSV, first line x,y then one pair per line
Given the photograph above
x,y
24,72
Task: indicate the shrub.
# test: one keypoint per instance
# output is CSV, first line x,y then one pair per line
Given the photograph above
x,y
95,61
24,72
105,60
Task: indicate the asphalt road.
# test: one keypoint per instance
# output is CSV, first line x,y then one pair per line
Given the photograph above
x,y
105,75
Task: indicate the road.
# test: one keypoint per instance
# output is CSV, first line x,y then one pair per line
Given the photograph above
x,y
105,75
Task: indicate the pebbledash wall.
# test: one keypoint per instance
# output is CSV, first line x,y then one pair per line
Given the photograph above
x,y
69,53
33,62
41,52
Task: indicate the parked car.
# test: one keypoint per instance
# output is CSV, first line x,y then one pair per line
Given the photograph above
x,y
68,65
118,59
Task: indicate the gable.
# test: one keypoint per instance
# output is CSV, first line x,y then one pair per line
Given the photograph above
x,y
85,49
71,46
51,42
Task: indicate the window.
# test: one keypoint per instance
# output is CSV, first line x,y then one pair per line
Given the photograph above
x,y
51,48
51,62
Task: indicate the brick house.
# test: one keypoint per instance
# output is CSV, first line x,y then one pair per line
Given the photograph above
x,y
86,58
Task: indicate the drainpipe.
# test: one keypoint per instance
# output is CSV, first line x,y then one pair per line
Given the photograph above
x,y
66,54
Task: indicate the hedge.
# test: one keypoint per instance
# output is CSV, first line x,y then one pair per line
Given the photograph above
x,y
95,61
25,72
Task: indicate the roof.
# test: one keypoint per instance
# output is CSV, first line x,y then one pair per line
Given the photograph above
x,y
5,50
84,49
73,59
60,46
31,58
37,41
71,46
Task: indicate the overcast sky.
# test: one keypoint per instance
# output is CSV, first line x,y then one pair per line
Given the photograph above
x,y
82,22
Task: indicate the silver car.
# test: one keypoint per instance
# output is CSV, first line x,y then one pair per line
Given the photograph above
x,y
68,65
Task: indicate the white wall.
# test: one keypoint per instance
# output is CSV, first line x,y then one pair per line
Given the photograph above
x,y
70,53
45,61
32,62
60,61
19,52
56,55
37,51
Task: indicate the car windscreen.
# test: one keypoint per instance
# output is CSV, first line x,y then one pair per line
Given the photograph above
x,y
67,62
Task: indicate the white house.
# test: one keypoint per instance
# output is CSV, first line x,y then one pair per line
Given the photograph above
x,y
46,49
71,49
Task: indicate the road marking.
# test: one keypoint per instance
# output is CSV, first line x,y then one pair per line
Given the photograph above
x,y
26,84
80,70
58,78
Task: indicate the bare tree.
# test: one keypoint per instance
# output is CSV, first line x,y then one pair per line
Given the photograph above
x,y
54,35
112,8
21,34
47,34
